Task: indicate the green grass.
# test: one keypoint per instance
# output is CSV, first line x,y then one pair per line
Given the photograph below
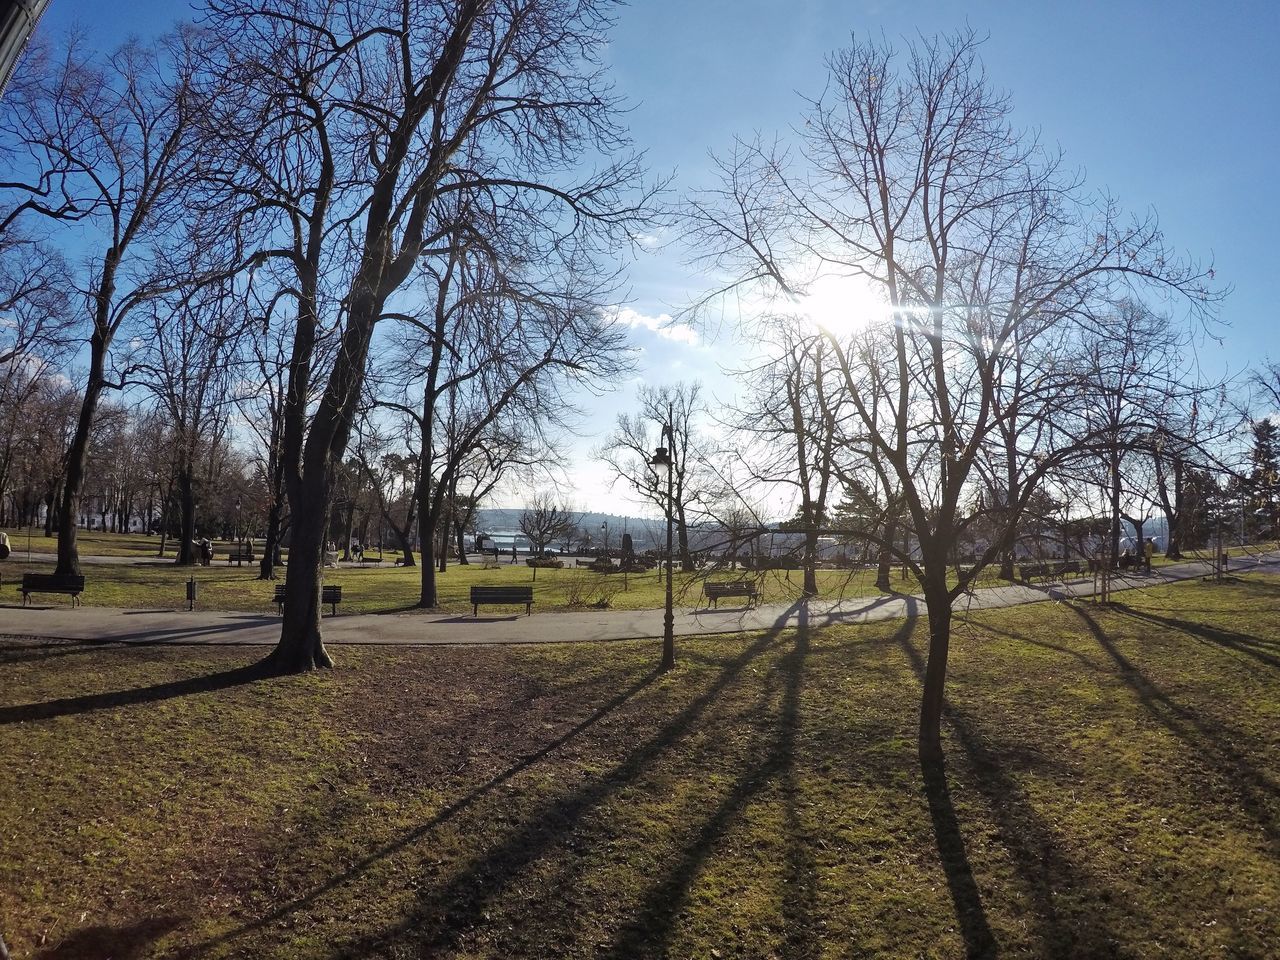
x,y
387,589
1112,790
378,590
91,543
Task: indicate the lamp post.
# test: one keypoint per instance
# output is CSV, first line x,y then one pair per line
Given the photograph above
x,y
235,534
604,529
661,462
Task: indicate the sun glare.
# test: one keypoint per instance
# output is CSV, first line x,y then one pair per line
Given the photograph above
x,y
842,305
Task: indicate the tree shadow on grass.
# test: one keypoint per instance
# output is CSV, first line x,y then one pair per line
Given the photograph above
x,y
11,653
649,931
1239,642
119,943
1256,792
70,706
446,814
966,899
444,914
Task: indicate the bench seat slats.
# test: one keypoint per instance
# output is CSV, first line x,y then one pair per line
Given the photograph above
x,y
513,594
715,592
330,595
72,585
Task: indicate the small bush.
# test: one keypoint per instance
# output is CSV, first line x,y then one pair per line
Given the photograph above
x,y
552,563
582,590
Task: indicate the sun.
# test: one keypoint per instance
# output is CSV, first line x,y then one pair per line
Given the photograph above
x,y
842,305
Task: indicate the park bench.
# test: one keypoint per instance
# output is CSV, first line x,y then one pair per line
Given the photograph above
x,y
715,592
1053,571
330,596
507,594
237,556
51,583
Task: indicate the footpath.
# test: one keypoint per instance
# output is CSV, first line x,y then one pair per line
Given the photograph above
x,y
108,624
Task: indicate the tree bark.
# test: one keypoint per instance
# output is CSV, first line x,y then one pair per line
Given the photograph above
x,y
267,565
810,559
187,514
884,563
77,455
301,647
938,604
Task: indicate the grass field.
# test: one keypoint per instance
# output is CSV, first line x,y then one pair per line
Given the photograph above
x,y
378,590
1112,789
387,589
91,543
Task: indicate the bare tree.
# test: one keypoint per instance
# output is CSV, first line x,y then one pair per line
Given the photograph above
x,y
545,520
107,138
789,422
629,447
187,366
909,177
363,124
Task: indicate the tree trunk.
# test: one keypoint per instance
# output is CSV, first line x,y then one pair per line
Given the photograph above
x,y
884,563
77,454
50,517
301,647
427,542
1115,512
810,560
187,517
938,604
267,565
460,536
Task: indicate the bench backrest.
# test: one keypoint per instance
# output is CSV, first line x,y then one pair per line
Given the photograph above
x,y
729,588
509,594
52,581
332,594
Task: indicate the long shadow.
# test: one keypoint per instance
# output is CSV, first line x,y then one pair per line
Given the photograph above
x,y
70,706
649,931
119,943
23,653
1258,793
1239,642
460,902
1045,645
966,899
443,816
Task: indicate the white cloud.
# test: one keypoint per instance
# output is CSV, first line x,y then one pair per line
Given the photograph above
x,y
662,325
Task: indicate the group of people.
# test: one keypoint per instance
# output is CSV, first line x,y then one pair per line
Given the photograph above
x,y
1131,558
355,552
203,551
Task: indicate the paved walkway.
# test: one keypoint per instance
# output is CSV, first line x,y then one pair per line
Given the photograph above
x,y
181,627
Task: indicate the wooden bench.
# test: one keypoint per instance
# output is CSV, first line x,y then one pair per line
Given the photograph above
x,y
239,556
329,595
511,594
51,583
1053,571
715,592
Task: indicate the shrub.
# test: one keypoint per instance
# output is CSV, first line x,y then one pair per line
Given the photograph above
x,y
553,563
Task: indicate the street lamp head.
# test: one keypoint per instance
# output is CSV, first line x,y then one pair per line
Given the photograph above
x,y
661,459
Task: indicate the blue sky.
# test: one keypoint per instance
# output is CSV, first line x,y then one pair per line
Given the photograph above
x,y
1173,106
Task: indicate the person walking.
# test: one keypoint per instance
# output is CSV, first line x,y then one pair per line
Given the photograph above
x,y
1148,551
513,553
